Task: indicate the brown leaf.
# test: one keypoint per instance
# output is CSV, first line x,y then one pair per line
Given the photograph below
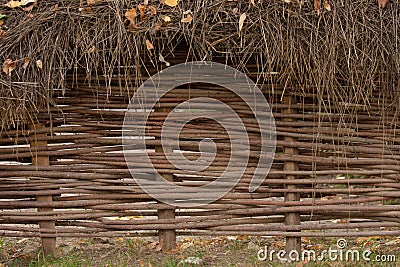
x,y
327,5
252,2
171,3
2,34
39,64
9,65
93,2
153,10
13,4
142,9
131,15
317,6
383,3
27,60
241,22
149,45
187,19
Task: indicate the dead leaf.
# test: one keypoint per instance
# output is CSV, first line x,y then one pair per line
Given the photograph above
x,y
93,2
2,34
30,15
153,10
327,5
141,264
241,22
317,6
87,9
13,4
131,15
9,65
171,3
252,2
383,3
54,8
39,64
145,2
187,19
142,9
166,18
27,60
149,45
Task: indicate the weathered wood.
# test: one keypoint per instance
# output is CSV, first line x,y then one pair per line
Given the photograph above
x,y
167,237
48,243
291,218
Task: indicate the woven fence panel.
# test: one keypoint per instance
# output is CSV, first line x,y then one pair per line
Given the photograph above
x,y
344,170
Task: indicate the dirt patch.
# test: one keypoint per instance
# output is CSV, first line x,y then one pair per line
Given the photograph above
x,y
195,251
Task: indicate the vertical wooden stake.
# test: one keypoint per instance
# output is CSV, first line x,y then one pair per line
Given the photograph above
x,y
167,238
48,243
291,218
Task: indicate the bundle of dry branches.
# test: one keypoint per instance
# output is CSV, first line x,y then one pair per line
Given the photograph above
x,y
348,50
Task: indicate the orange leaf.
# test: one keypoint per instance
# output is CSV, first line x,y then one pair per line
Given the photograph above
x,y
142,9
149,45
327,5
383,3
317,6
9,66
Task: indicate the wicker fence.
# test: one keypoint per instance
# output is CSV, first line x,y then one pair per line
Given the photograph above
x,y
335,172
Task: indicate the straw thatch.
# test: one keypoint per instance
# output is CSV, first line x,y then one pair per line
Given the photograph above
x,y
348,50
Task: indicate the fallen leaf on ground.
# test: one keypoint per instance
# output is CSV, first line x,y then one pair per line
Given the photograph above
x,y
8,66
149,45
54,8
252,2
2,34
2,16
317,6
171,3
241,22
131,15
